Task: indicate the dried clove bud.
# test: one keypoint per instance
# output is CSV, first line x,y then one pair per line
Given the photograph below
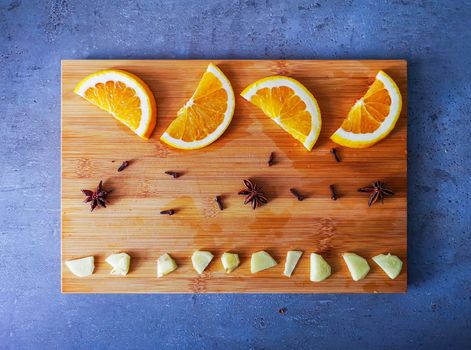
x,y
124,165
295,193
334,152
333,193
169,212
271,159
219,202
174,174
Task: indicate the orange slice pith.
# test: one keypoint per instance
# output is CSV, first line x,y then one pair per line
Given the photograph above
x,y
124,95
289,104
206,115
373,116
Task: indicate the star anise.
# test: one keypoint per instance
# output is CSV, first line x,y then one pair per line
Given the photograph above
x,y
378,190
253,194
97,197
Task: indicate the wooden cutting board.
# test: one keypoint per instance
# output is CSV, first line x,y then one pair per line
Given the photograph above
x,y
94,145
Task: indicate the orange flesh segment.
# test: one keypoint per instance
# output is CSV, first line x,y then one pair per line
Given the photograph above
x,y
118,99
204,114
370,111
283,103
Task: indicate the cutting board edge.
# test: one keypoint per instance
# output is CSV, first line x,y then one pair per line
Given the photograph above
x,y
66,61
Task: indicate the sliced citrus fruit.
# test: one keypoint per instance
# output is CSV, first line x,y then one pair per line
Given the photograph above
x,y
287,102
373,116
206,115
124,95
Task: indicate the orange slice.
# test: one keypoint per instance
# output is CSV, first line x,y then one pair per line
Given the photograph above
x,y
206,115
373,116
124,95
289,104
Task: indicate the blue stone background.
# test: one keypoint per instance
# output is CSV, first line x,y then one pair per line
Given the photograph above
x,y
434,36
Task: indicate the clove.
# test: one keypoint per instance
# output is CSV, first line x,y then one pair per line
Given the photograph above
x,y
219,202
271,159
333,151
124,165
169,212
295,193
333,193
174,174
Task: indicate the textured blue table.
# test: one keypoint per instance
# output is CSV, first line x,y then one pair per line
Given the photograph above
x,y
436,40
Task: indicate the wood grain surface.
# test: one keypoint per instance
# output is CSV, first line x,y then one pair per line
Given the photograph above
x,y
94,145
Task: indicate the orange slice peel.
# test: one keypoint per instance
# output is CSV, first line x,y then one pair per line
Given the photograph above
x,y
206,115
124,95
289,104
373,116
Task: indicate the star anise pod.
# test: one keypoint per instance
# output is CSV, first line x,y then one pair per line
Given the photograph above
x,y
97,197
378,190
253,194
